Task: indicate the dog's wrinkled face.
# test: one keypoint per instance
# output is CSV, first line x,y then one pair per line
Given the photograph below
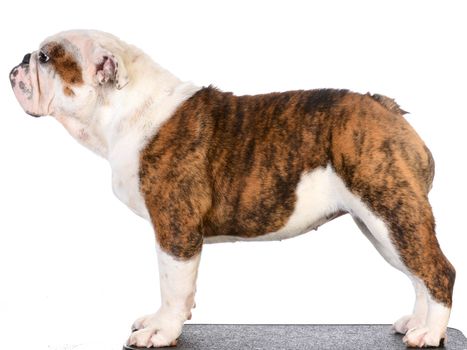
x,y
68,73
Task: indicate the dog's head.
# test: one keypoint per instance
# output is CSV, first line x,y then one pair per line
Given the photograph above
x,y
69,73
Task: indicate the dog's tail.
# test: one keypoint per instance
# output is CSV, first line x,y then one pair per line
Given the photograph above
x,y
388,103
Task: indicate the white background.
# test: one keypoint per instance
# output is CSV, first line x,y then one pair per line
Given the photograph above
x,y
77,267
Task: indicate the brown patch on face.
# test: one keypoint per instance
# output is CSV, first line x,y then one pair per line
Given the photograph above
x,y
230,165
68,92
64,64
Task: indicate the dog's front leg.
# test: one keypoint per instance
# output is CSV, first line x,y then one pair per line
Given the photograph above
x,y
178,285
176,189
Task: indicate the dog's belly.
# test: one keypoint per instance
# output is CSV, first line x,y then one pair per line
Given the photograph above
x,y
318,201
284,233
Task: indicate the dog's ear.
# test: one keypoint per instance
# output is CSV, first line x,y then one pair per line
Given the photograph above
x,y
110,68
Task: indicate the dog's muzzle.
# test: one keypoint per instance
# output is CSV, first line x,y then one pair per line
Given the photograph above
x,y
23,87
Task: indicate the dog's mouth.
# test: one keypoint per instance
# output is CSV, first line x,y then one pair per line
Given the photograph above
x,y
34,115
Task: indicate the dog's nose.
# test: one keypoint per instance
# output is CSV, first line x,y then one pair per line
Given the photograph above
x,y
26,58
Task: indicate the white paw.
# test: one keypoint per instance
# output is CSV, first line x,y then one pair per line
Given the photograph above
x,y
423,337
156,330
405,323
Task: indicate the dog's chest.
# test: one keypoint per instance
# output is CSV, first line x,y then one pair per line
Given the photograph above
x,y
124,162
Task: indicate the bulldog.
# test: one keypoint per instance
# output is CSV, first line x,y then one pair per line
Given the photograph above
x,y
208,166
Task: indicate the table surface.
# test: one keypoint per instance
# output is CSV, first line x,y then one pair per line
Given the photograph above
x,y
298,337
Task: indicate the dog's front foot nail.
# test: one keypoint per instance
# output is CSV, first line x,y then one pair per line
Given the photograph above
x,y
150,337
141,338
143,322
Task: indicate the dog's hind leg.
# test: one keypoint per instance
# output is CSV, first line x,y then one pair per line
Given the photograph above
x,y
404,234
420,310
387,171
412,247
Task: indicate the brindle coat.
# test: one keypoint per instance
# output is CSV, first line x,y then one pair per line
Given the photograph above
x,y
229,165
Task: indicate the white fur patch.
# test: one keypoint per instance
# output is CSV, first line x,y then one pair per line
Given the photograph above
x,y
178,287
178,282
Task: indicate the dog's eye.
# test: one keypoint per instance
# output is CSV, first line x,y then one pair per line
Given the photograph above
x,y
43,58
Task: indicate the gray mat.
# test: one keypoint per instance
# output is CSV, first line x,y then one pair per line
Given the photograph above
x,y
298,337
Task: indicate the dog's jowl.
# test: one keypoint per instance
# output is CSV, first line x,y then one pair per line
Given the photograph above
x,y
207,166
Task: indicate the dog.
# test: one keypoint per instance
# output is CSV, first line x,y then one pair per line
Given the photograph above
x,y
206,166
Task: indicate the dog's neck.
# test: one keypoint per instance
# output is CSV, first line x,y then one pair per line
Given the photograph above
x,y
132,114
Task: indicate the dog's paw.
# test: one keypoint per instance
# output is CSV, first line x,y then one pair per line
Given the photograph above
x,y
423,337
156,330
405,323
